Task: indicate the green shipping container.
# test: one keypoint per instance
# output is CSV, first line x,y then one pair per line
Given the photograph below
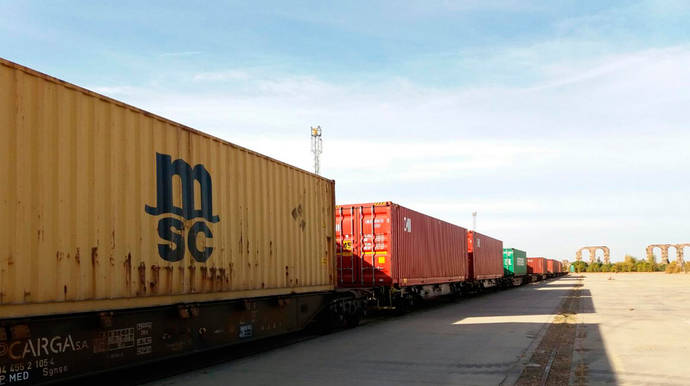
x,y
514,262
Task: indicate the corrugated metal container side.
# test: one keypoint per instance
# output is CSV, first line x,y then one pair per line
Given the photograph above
x,y
388,244
428,250
550,266
536,265
486,256
514,262
107,206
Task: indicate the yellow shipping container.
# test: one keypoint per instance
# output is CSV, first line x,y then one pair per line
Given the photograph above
x,y
105,206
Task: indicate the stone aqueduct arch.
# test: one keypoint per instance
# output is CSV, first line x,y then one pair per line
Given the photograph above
x,y
592,253
664,251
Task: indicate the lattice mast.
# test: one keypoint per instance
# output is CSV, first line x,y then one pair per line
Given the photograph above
x,y
316,147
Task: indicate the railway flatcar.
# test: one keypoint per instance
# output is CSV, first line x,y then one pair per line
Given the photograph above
x,y
126,237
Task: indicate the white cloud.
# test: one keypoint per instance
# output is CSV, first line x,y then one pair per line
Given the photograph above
x,y
592,153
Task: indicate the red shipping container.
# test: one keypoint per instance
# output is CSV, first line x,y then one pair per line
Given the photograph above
x,y
384,244
536,265
485,256
550,266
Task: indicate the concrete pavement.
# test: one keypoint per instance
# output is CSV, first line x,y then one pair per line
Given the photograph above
x,y
635,330
631,329
481,340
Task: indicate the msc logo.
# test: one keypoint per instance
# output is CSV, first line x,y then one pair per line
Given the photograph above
x,y
171,228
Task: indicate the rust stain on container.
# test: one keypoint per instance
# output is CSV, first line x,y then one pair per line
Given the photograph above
x,y
155,278
168,279
142,279
214,279
204,278
128,271
251,227
192,276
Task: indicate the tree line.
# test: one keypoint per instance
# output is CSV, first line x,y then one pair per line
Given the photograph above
x,y
632,264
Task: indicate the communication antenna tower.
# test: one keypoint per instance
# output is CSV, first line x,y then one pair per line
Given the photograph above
x,y
316,147
474,220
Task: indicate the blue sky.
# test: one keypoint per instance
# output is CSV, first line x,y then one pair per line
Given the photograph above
x,y
563,123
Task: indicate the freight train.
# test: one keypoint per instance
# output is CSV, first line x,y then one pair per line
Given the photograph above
x,y
397,257
128,238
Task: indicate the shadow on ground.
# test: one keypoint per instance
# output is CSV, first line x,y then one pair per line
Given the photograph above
x,y
484,339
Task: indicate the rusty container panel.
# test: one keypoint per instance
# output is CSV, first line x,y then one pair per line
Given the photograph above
x,y
536,265
106,206
388,244
485,256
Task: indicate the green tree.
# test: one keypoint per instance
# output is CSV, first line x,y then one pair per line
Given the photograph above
x,y
629,265
580,266
594,267
644,266
651,260
673,267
